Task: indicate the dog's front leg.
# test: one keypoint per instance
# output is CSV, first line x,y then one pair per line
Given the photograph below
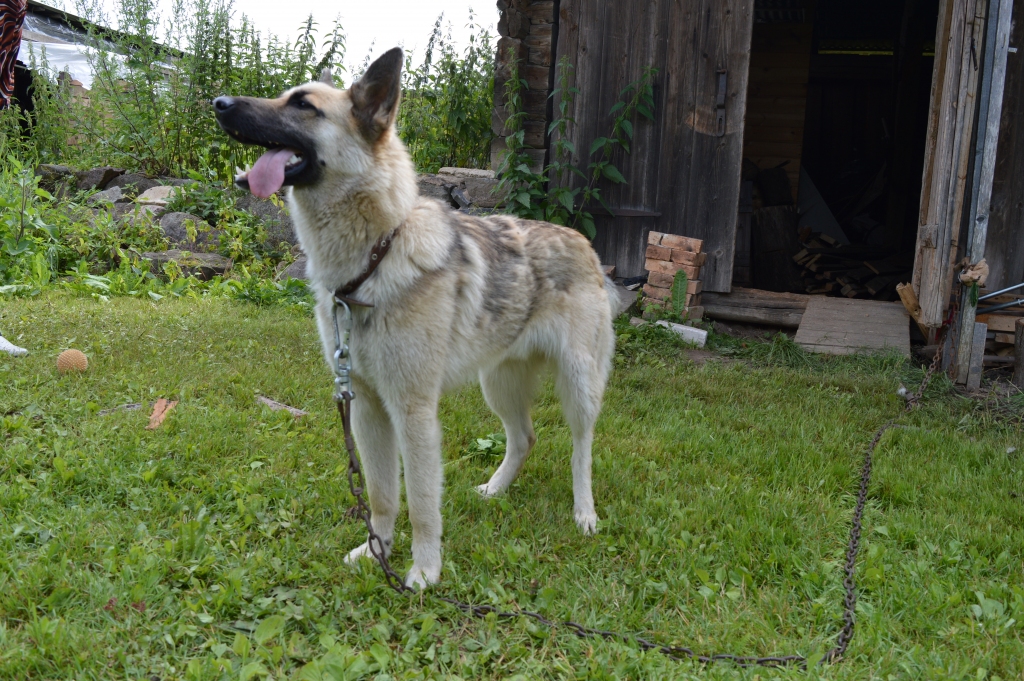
x,y
378,451
420,435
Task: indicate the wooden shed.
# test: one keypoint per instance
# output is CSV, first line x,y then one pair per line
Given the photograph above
x,y
887,116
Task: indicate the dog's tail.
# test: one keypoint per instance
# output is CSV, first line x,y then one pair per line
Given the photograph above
x,y
619,299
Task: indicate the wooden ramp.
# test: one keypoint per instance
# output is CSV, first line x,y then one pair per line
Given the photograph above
x,y
841,326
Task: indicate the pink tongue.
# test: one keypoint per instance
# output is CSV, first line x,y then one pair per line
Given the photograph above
x,y
267,175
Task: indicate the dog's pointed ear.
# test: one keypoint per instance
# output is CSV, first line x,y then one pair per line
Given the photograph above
x,y
327,77
375,95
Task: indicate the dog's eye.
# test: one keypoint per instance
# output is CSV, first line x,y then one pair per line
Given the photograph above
x,y
301,104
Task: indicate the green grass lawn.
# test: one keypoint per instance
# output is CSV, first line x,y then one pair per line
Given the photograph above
x,y
212,547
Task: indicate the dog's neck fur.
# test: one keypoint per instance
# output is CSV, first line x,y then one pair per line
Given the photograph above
x,y
356,211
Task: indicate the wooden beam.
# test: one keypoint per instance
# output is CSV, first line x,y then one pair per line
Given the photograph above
x,y
977,359
1018,355
947,158
997,42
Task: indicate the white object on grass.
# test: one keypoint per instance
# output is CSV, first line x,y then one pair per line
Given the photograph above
x,y
689,333
10,348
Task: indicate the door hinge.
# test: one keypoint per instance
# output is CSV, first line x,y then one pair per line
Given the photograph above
x,y
720,103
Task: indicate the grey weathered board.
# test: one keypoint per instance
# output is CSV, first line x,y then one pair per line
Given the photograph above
x,y
841,326
1005,248
680,173
948,152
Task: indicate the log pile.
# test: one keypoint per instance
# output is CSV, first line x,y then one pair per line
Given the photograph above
x,y
851,270
666,255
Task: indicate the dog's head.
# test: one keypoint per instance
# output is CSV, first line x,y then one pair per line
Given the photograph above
x,y
315,130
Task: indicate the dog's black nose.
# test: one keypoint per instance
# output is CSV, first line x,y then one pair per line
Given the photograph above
x,y
222,104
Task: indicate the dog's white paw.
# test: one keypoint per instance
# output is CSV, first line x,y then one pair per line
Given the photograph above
x,y
487,490
363,551
587,521
420,578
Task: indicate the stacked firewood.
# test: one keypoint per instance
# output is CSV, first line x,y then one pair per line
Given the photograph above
x,y
666,255
851,270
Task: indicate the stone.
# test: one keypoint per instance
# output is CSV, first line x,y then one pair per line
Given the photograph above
x,y
175,228
434,187
132,213
297,270
463,173
50,175
472,186
173,181
203,266
133,184
276,221
157,196
97,178
112,195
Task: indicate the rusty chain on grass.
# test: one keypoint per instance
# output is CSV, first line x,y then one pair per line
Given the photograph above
x,y
377,548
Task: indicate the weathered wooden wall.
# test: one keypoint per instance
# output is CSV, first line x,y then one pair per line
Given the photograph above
x,y
1005,248
780,58
683,178
528,31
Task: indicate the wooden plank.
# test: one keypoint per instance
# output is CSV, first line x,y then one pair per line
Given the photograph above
x,y
994,63
977,357
1018,352
788,318
998,322
954,87
842,326
1005,248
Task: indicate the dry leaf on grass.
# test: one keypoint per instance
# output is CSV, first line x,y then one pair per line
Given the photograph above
x,y
160,411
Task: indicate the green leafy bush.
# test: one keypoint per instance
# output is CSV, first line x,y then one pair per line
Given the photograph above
x,y
445,117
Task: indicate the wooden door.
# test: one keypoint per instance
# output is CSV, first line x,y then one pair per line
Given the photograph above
x,y
683,173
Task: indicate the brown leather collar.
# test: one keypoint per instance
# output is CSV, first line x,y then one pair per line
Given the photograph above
x,y
377,253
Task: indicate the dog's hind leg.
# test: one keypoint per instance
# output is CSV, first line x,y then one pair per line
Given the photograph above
x,y
378,451
419,433
580,383
509,389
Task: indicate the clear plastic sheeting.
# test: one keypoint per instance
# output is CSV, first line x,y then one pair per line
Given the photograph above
x,y
59,57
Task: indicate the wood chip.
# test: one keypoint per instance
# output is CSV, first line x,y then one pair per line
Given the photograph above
x,y
124,407
277,406
160,411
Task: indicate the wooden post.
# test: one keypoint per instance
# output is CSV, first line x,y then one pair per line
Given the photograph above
x,y
1018,354
989,116
977,359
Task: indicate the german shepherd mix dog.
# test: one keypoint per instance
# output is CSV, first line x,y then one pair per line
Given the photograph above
x,y
457,295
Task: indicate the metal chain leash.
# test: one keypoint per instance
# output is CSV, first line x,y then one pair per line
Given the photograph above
x,y
343,395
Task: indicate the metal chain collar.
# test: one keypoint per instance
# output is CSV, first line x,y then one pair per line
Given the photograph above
x,y
343,395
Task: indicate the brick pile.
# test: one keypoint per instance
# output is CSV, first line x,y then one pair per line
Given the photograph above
x,y
666,255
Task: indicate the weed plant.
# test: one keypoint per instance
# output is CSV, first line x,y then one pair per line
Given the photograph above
x,y
564,193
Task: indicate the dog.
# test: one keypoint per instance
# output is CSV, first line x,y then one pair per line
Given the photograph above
x,y
457,296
